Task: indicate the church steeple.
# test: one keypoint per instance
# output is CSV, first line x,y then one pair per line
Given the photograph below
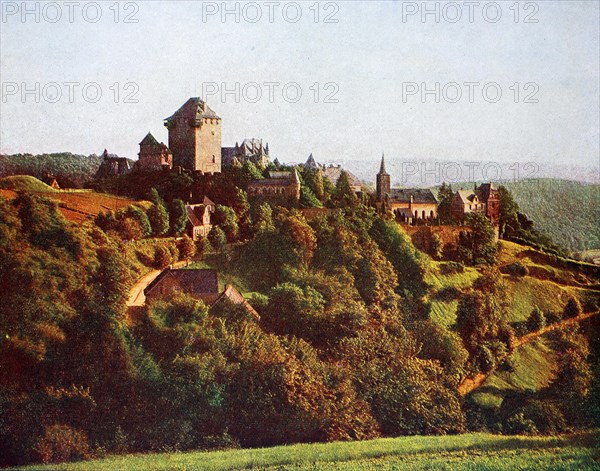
x,y
382,168
383,181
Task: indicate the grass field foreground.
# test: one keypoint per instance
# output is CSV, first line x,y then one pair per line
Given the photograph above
x,y
468,452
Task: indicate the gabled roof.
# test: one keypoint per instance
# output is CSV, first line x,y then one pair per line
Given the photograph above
x,y
195,213
466,196
195,109
419,195
233,295
193,281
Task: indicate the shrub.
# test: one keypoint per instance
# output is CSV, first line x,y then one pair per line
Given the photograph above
x,y
162,257
448,293
517,269
572,308
62,443
187,248
519,424
536,320
451,268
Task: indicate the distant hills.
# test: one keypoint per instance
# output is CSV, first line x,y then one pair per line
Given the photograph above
x,y
566,211
70,169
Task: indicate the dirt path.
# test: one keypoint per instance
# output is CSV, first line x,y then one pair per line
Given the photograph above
x,y
470,384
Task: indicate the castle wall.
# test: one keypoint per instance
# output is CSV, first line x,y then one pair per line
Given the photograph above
x,y
208,146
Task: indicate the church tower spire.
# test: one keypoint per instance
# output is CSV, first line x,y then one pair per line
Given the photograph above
x,y
383,181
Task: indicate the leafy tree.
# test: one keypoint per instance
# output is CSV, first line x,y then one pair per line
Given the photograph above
x,y
509,223
479,244
445,196
136,214
572,308
177,217
159,219
227,219
308,198
313,179
264,217
162,257
187,248
217,238
343,195
250,172
536,320
437,246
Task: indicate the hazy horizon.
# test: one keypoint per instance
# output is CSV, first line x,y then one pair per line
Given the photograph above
x,y
367,61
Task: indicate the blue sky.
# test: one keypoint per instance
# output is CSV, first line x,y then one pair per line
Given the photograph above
x,y
369,56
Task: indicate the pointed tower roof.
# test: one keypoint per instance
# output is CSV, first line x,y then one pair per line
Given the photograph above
x,y
382,168
311,163
149,140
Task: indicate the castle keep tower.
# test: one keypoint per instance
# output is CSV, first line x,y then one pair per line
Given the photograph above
x,y
195,137
383,181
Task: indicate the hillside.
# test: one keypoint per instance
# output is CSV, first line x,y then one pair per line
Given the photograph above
x,y
70,169
25,183
566,211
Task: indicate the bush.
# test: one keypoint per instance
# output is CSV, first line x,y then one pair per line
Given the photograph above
x,y
162,257
519,424
187,248
517,269
452,268
61,443
449,293
536,320
572,308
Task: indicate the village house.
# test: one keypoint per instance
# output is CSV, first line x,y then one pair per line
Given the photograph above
x,y
279,187
410,205
200,284
154,155
195,137
251,150
199,223
483,199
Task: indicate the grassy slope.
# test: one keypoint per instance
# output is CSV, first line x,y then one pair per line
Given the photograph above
x,y
533,363
470,451
566,211
25,183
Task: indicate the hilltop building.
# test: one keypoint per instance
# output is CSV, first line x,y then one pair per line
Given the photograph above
x,y
154,155
483,199
410,205
195,137
251,150
279,187
113,165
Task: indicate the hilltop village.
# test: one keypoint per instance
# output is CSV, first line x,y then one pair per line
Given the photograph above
x,y
195,147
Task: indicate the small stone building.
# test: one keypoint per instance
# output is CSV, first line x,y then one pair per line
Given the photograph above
x,y
199,223
201,284
154,155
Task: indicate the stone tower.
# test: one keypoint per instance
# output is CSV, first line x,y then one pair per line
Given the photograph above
x,y
383,181
195,137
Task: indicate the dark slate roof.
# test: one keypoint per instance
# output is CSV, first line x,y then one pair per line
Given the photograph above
x,y
149,140
382,168
193,281
195,213
311,163
419,195
227,155
234,296
194,108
